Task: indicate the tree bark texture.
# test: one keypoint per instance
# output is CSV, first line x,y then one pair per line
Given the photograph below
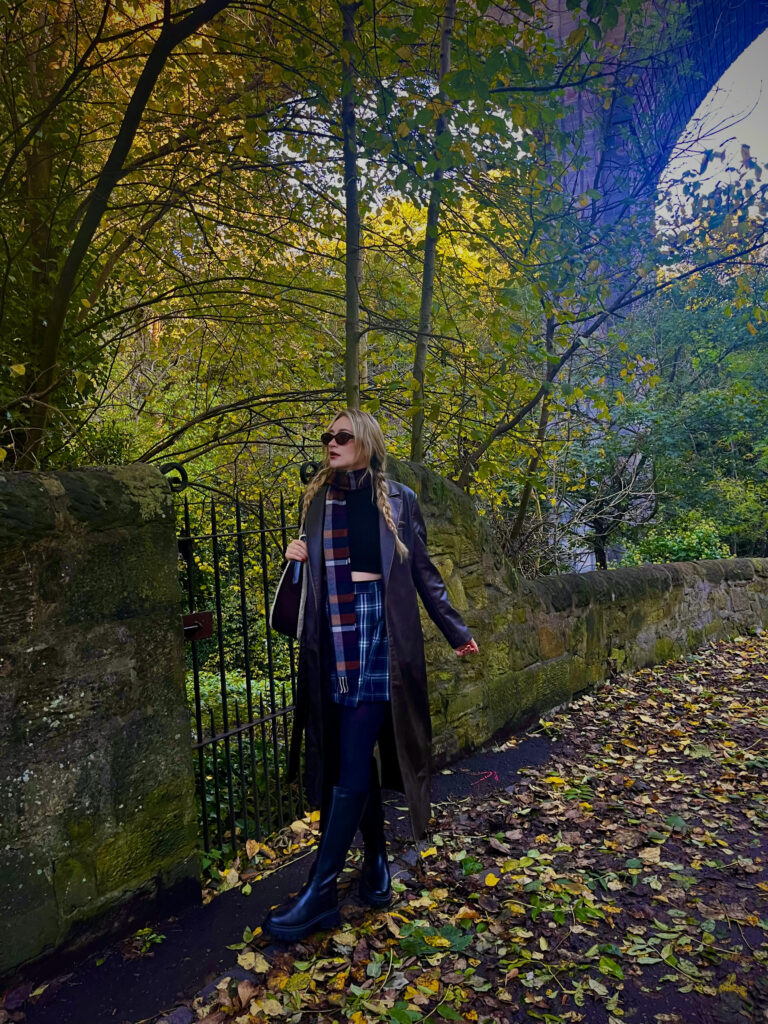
x,y
47,377
352,213
430,248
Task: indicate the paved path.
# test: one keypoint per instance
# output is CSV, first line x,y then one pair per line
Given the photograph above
x,y
120,991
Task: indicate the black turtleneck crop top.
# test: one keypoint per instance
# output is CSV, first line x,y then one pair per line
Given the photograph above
x,y
363,531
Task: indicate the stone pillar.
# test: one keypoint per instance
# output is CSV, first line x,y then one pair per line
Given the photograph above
x,y
97,815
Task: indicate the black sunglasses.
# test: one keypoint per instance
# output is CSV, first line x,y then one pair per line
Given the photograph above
x,y
341,437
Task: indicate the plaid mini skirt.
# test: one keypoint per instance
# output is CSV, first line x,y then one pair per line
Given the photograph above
x,y
373,682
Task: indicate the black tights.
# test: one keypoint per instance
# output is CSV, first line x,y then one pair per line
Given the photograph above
x,y
358,731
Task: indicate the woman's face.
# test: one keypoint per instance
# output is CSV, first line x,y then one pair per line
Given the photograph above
x,y
344,456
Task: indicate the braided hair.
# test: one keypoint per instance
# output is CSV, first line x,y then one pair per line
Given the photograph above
x,y
369,445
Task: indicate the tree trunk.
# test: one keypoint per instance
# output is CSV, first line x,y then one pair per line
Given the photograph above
x,y
533,463
352,215
598,546
47,376
430,248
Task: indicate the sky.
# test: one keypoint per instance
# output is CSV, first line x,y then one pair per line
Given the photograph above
x,y
741,92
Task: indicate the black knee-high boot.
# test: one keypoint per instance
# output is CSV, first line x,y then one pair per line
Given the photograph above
x,y
375,883
317,904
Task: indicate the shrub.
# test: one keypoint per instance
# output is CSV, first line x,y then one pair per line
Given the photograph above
x,y
687,538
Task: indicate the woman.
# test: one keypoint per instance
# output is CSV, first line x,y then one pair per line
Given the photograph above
x,y
361,664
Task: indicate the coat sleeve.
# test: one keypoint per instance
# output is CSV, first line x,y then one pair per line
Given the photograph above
x,y
430,586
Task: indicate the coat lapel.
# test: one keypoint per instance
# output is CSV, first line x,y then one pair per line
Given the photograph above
x,y
385,534
313,527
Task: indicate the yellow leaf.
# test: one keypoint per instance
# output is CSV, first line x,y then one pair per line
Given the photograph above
x,y
230,880
269,1007
431,852
277,981
19,369
251,848
253,962
402,130
751,328
337,983
392,925
467,912
651,854
554,780
491,879
730,985
3,454
437,941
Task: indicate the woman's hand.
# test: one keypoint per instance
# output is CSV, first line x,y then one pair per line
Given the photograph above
x,y
296,551
468,648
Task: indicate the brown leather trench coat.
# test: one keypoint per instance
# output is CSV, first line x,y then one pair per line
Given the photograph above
x,y
405,744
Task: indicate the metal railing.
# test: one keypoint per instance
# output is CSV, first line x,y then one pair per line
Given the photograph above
x,y
241,679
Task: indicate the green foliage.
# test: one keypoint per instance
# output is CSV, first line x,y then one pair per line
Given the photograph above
x,y
685,539
205,319
240,652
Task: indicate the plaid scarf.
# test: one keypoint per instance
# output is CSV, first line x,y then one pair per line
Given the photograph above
x,y
341,590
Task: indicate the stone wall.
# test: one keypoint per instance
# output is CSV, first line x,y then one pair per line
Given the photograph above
x,y
97,820
541,641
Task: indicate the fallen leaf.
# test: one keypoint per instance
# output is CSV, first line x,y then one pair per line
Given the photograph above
x,y
254,962
650,854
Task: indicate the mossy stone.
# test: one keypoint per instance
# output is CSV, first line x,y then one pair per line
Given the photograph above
x,y
619,657
74,882
143,846
551,643
26,513
96,774
664,648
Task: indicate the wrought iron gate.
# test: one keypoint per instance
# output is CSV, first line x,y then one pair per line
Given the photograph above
x,y
241,677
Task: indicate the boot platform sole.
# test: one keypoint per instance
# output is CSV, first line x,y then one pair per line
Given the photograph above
x,y
284,933
377,900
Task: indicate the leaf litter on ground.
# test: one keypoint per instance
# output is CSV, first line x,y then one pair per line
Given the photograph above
x,y
623,880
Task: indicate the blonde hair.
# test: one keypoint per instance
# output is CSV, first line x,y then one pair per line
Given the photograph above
x,y
370,446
